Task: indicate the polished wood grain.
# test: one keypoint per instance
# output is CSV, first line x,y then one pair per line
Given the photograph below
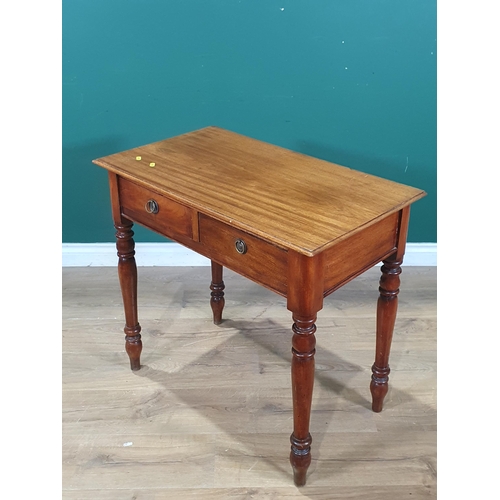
x,y
209,414
296,225
293,200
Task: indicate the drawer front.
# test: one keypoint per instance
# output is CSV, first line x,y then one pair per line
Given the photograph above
x,y
155,211
245,254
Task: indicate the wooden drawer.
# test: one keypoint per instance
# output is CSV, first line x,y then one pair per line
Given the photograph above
x,y
171,219
261,261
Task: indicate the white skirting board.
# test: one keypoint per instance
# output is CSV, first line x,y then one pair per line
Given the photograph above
x,y
173,254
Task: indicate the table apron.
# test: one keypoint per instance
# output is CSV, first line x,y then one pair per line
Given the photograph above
x,y
262,261
358,253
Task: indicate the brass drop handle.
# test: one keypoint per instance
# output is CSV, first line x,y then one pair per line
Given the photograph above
x,y
152,207
241,246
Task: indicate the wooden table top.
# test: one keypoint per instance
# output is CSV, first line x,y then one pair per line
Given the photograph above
x,y
293,200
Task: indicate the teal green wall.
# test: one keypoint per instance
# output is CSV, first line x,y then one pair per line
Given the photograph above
x,y
349,81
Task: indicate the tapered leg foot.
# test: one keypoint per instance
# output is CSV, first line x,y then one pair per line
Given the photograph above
x,y
300,459
379,387
217,294
303,350
127,273
386,317
133,346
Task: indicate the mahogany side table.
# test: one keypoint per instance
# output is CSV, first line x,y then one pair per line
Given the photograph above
x,y
299,226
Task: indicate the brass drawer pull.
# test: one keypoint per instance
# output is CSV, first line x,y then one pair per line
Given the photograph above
x,y
241,246
152,207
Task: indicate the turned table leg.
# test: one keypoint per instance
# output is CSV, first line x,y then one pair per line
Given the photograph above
x,y
304,300
303,350
217,294
127,273
386,317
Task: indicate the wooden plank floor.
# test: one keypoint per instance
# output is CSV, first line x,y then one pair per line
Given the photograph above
x,y
209,415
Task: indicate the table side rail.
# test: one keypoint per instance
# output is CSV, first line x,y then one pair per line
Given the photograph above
x,y
360,252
